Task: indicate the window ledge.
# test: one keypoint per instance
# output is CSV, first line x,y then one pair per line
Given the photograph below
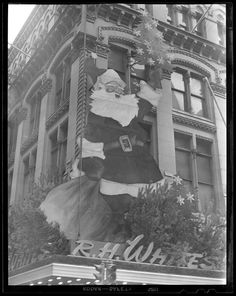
x,y
194,121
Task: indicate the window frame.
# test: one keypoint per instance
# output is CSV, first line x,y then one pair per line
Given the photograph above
x,y
60,143
194,137
62,88
188,104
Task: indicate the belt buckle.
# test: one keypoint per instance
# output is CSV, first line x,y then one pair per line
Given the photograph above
x,y
125,143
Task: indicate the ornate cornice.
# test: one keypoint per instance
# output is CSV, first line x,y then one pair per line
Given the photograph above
x,y
122,40
112,28
195,57
190,42
29,142
218,89
191,122
57,115
188,64
102,49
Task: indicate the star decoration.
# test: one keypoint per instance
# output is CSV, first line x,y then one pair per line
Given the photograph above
x,y
149,50
159,34
169,56
190,197
140,51
148,26
180,200
177,180
137,33
144,12
147,43
161,60
155,23
150,61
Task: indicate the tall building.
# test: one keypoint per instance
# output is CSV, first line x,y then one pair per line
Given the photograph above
x,y
46,91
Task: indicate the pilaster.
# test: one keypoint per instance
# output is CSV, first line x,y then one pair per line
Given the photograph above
x,y
16,182
165,129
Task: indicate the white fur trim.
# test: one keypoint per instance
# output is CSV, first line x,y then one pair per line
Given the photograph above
x,y
122,109
91,149
113,188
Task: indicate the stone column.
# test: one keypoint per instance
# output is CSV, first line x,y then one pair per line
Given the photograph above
x,y
41,155
17,185
220,152
16,182
165,128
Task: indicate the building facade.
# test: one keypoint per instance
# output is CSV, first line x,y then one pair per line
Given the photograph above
x,y
47,98
187,131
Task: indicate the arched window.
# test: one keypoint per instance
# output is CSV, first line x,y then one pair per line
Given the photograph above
x,y
188,92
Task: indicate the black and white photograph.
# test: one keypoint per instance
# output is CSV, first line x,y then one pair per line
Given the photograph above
x,y
117,146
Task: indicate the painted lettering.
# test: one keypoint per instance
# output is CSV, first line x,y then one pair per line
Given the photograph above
x,y
156,256
107,250
131,247
193,260
83,247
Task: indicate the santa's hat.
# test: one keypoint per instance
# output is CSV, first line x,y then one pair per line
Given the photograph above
x,y
108,77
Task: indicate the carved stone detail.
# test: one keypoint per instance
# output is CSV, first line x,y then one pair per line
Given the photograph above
x,y
209,127
218,89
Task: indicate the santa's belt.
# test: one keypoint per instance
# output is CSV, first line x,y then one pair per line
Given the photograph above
x,y
125,143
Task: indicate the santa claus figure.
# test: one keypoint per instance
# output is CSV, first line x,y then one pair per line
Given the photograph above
x,y
115,163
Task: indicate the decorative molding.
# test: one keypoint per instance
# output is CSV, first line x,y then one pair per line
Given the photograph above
x,y
102,49
122,40
57,114
29,142
195,57
188,64
218,89
136,273
191,122
112,28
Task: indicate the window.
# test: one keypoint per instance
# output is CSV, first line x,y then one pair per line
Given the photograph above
x,y
63,80
118,60
188,92
194,165
29,171
180,16
12,137
199,29
184,159
221,33
10,177
58,141
35,106
170,14
182,20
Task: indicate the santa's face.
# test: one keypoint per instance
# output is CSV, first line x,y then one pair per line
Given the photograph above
x,y
114,87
